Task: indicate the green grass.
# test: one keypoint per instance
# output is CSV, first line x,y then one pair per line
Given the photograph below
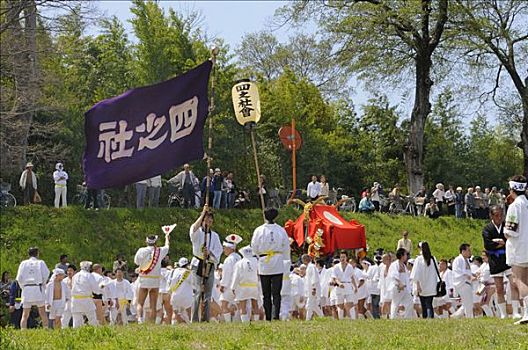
x,y
318,334
100,235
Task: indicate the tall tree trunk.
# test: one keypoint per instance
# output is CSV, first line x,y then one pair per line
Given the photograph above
x,y
414,147
524,131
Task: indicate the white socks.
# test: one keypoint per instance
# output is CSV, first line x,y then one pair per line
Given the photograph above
x,y
502,310
487,310
244,318
227,317
515,309
340,313
352,314
256,318
158,320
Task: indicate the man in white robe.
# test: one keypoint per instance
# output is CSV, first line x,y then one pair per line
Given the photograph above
x,y
84,286
244,284
32,276
227,298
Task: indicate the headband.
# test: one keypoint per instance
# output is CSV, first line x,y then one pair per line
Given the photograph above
x,y
152,241
518,186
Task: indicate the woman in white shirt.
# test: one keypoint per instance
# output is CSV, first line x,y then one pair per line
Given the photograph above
x,y
425,279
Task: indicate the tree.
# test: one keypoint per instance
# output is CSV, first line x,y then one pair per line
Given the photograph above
x,y
303,54
445,145
387,38
498,30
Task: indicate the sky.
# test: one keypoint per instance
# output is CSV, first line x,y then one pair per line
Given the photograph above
x,y
231,20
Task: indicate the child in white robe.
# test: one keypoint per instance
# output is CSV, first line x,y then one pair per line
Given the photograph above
x,y
245,284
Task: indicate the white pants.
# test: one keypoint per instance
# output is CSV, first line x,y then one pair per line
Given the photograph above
x,y
465,291
67,315
60,191
401,298
286,302
312,306
78,320
122,310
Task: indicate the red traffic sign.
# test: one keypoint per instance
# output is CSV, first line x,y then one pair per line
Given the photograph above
x,y
289,137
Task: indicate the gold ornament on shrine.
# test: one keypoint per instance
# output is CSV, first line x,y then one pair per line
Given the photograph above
x,y
246,102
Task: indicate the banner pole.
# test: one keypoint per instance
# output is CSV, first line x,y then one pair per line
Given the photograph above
x,y
205,272
294,160
259,180
214,53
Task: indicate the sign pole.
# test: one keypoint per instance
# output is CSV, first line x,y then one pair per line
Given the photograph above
x,y
294,165
246,104
259,179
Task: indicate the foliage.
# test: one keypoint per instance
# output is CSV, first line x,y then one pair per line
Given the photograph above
x,y
100,235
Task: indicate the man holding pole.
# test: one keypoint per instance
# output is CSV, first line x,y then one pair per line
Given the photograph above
x,y
207,250
271,245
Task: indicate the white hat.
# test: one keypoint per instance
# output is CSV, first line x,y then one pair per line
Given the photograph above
x,y
58,166
439,185
247,252
459,188
29,164
58,271
302,266
217,170
85,265
232,240
366,262
183,262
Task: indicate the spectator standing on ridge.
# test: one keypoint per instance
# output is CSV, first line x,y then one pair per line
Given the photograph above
x,y
60,177
153,190
325,187
375,195
449,196
217,184
313,190
469,200
28,183
438,195
459,203
185,181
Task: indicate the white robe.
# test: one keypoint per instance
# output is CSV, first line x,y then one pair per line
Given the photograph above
x,y
245,280
143,258
271,245
182,297
83,286
227,275
31,276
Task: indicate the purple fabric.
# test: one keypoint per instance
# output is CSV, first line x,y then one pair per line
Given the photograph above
x,y
146,131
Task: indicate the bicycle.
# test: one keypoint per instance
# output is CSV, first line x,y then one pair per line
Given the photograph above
x,y
274,199
348,204
82,196
176,199
7,200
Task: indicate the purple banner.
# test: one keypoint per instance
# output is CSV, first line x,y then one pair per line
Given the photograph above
x,y
146,131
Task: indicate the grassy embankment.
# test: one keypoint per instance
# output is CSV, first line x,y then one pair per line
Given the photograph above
x,y
100,235
317,334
